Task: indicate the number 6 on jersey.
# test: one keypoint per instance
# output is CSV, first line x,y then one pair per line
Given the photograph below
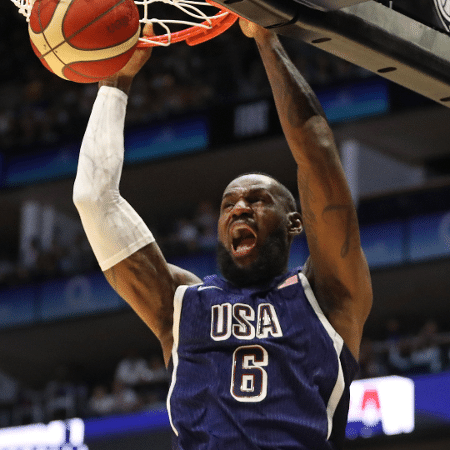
x,y
248,378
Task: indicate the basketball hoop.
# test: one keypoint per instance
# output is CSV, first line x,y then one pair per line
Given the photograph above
x,y
197,32
201,26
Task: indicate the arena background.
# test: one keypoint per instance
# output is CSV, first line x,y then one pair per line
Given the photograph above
x,y
197,117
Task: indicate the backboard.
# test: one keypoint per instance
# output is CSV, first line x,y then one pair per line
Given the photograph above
x,y
405,41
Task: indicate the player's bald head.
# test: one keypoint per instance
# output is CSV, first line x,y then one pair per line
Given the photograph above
x,y
282,192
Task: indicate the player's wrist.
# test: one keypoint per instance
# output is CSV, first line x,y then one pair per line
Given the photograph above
x,y
265,38
121,82
261,34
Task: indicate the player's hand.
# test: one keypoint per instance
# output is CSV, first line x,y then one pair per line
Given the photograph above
x,y
124,77
251,29
140,56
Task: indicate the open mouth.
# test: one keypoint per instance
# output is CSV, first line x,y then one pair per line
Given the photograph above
x,y
243,239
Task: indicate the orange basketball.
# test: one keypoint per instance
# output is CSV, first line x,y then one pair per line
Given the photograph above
x,y
84,40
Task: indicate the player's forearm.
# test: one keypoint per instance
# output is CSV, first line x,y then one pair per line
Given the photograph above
x,y
113,228
301,115
295,100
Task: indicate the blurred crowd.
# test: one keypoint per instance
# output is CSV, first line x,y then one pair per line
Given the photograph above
x,y
36,263
138,384
420,350
38,109
189,234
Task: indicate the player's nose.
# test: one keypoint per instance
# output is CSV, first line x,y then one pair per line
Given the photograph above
x,y
241,207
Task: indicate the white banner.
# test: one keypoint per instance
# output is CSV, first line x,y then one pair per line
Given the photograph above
x,y
381,405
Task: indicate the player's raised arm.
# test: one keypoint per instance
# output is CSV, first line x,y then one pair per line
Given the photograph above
x,y
337,268
125,248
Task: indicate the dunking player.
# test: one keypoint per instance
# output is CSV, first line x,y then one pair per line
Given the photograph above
x,y
263,357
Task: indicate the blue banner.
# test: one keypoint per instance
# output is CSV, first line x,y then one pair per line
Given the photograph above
x,y
57,299
430,236
133,423
383,243
432,398
17,306
42,166
167,140
76,296
355,101
156,141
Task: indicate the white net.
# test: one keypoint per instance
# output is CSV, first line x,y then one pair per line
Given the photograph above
x,y
25,7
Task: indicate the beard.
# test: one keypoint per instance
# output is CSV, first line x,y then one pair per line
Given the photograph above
x,y
272,261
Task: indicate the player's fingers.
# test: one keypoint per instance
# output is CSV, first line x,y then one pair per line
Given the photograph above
x,y
148,30
142,54
246,27
251,29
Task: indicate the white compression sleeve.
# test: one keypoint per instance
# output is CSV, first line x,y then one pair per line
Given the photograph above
x,y
112,226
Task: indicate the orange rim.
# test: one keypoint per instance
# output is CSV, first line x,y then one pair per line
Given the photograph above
x,y
195,34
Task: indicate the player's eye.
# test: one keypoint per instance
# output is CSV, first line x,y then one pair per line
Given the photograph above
x,y
227,205
254,200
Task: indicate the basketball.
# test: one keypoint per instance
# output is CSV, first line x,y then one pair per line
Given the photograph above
x,y
84,40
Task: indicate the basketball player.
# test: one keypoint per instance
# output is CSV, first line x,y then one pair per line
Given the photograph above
x,y
261,357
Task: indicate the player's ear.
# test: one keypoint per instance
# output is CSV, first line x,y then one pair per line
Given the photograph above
x,y
295,223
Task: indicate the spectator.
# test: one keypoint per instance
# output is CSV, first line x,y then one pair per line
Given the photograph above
x,y
125,398
392,330
7,268
206,216
121,399
9,390
370,361
426,354
133,369
207,239
78,258
49,261
186,236
60,396
158,384
398,348
28,407
101,402
31,255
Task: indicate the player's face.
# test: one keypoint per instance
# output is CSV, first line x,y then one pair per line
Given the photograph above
x,y
253,224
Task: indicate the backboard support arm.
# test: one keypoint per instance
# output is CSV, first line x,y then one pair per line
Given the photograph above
x,y
367,34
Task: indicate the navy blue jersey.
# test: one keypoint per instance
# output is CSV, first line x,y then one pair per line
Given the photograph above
x,y
257,368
